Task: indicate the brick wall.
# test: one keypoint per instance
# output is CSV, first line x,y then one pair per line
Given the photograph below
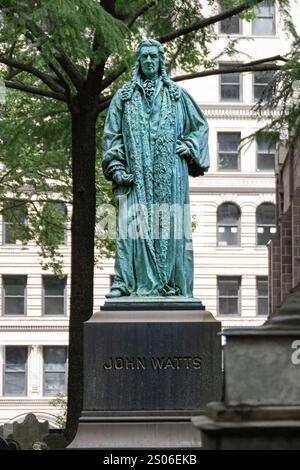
x,y
284,249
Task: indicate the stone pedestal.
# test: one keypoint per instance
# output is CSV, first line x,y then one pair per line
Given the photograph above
x,y
149,366
261,409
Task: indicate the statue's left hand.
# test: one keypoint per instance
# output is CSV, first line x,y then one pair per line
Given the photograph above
x,y
182,150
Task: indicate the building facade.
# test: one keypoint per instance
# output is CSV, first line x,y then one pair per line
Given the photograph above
x,y
233,208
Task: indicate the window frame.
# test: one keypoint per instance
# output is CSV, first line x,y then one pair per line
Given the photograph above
x,y
229,225
4,296
271,172
222,170
239,296
264,225
55,372
260,278
265,17
254,84
64,296
240,23
228,64
25,372
5,224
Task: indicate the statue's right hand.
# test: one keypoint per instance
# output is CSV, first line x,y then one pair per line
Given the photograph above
x,y
122,178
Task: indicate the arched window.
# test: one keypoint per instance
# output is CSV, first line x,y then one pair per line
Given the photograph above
x,y
228,220
265,223
14,221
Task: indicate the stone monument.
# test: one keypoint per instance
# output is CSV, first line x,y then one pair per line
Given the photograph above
x,y
152,356
261,406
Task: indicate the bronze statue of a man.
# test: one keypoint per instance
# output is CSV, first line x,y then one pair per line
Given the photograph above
x,y
155,136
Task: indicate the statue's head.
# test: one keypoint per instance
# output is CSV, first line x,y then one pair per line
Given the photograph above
x,y
150,62
150,57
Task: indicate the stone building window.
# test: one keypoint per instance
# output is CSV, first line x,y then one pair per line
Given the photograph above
x,y
228,224
228,151
230,84
265,153
54,295
229,288
261,81
229,25
55,370
14,295
265,223
264,23
14,221
262,295
15,371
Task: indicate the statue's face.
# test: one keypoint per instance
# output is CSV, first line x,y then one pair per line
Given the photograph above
x,y
149,60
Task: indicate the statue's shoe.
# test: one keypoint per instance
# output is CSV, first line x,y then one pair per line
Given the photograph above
x,y
114,294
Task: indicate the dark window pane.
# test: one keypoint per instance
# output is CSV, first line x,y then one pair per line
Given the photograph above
x,y
262,306
264,234
15,370
15,356
228,287
14,306
9,236
53,285
228,214
13,214
54,383
55,370
261,81
54,356
262,295
230,25
230,92
54,306
266,149
228,306
228,161
229,141
228,150
265,161
266,214
230,84
228,293
15,384
230,78
263,24
14,285
228,236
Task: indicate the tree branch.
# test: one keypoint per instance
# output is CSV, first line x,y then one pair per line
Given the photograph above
x,y
259,65
132,17
33,71
70,69
234,69
33,90
208,21
107,81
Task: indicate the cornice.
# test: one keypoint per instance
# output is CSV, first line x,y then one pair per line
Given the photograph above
x,y
234,111
20,402
41,328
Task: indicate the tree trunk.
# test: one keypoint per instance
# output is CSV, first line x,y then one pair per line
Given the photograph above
x,y
82,254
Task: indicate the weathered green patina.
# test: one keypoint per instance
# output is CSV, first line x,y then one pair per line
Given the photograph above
x,y
155,136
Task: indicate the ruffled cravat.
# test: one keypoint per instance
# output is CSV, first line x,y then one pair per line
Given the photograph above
x,y
149,87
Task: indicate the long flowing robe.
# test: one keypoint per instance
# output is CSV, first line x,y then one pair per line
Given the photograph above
x,y
154,257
